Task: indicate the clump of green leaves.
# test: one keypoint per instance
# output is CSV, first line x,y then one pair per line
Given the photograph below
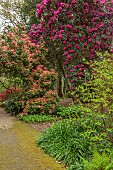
x,y
99,162
37,118
13,106
73,111
72,141
66,142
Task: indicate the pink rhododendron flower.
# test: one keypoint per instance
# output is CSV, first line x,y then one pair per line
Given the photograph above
x,y
66,53
71,51
68,57
68,76
69,26
79,74
74,66
77,46
70,45
71,81
65,48
64,42
72,70
72,88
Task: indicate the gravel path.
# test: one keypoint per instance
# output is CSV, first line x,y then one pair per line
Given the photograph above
x,y
18,150
6,120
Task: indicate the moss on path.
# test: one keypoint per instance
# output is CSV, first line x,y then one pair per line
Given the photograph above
x,y
18,150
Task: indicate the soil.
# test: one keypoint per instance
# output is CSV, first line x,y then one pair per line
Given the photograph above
x,y
40,127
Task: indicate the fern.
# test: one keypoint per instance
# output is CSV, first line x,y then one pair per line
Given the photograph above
x,y
99,162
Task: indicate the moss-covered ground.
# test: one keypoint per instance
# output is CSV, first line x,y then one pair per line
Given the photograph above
x,y
18,150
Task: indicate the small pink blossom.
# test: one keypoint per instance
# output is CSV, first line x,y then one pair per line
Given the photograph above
x,y
79,74
69,45
60,36
74,66
85,44
61,31
66,53
90,40
65,63
71,51
72,88
65,48
64,42
78,46
73,2
71,81
68,57
70,16
68,26
72,70
68,76
92,51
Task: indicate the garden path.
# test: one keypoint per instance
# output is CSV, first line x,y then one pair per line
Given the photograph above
x,y
18,150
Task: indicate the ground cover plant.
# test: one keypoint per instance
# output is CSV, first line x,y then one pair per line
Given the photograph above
x,y
38,118
59,113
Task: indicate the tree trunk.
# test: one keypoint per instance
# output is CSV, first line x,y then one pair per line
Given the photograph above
x,y
59,84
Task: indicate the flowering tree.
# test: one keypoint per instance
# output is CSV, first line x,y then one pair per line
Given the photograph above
x,y
74,31
24,63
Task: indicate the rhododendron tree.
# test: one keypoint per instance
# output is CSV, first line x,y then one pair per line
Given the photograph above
x,y
74,31
24,62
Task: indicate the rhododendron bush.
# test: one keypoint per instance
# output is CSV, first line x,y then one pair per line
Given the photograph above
x,y
77,29
24,62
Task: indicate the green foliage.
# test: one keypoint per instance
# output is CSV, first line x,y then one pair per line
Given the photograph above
x,y
1,89
99,90
21,11
99,162
28,12
13,106
73,140
97,94
37,118
69,112
65,141
5,83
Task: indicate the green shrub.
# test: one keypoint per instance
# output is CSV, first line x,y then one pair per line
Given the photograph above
x,y
66,142
13,106
97,94
73,140
37,118
73,111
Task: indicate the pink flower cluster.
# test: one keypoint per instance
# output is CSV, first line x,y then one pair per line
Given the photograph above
x,y
81,27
